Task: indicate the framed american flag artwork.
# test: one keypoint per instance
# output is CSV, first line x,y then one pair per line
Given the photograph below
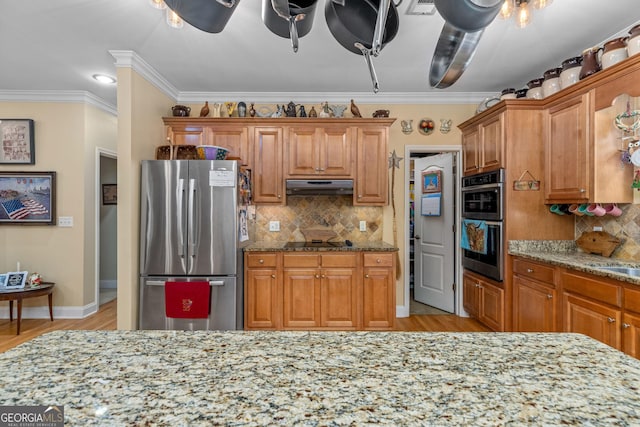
x,y
27,198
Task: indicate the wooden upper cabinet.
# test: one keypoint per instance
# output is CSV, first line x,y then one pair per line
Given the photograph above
x,y
186,135
313,151
371,183
234,138
470,151
567,136
483,145
268,183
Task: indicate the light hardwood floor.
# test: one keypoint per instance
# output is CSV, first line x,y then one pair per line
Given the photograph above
x,y
105,319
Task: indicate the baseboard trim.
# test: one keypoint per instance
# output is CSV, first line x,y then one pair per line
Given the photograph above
x,y
58,312
402,311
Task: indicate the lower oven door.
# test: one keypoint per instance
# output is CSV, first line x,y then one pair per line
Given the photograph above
x,y
489,264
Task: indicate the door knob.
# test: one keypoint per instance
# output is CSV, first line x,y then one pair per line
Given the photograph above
x,y
417,237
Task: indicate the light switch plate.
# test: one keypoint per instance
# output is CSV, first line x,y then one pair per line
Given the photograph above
x,y
274,225
65,221
596,228
363,225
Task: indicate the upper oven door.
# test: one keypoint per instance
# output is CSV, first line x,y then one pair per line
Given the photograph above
x,y
482,202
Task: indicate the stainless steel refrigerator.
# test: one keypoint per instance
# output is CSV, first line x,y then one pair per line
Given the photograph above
x,y
192,222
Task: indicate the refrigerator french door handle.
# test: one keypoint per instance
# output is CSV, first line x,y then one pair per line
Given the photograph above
x,y
191,215
181,231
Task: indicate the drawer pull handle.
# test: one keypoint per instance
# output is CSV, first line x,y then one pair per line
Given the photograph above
x,y
626,325
261,261
529,270
549,296
378,260
273,276
611,320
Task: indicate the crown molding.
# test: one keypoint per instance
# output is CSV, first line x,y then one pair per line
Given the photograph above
x,y
130,59
420,98
70,96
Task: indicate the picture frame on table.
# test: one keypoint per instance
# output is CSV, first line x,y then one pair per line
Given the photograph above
x,y
3,280
15,280
27,198
109,194
17,142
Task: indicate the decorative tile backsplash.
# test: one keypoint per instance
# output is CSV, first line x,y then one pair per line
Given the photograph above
x,y
334,212
626,227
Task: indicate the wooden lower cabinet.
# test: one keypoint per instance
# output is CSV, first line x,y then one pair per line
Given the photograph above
x,y
588,317
631,334
261,284
311,290
483,300
378,291
535,302
535,308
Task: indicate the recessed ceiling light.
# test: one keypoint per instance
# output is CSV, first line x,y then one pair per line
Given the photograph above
x,y
104,78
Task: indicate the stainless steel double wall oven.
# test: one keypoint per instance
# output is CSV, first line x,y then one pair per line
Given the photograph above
x,y
482,199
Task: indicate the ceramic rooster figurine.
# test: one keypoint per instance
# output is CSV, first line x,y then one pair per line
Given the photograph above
x,y
204,112
355,110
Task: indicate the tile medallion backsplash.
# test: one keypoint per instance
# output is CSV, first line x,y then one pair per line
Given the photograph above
x,y
626,227
334,212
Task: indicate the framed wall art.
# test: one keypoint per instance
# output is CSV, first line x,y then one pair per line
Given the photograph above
x,y
17,143
432,181
27,198
109,194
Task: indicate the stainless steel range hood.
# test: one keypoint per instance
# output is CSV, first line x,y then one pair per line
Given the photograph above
x,y
318,187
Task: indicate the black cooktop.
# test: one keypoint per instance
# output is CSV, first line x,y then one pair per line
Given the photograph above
x,y
315,244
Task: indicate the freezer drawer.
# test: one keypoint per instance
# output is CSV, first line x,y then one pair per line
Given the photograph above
x,y
225,312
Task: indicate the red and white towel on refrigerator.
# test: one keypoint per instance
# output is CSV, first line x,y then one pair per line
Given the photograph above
x,y
187,300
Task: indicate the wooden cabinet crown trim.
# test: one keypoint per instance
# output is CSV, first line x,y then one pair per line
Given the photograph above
x,y
280,121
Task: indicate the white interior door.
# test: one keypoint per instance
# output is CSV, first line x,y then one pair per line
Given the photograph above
x,y
434,233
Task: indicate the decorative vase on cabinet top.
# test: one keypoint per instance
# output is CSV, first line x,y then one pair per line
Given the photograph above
x,y
590,62
535,89
551,83
633,44
570,71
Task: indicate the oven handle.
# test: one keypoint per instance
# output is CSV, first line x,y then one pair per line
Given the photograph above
x,y
497,186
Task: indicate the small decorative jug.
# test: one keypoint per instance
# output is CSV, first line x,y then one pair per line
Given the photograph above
x,y
407,126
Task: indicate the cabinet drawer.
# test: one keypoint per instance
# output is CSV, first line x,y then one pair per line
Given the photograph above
x,y
592,288
301,260
534,270
262,260
632,300
339,260
378,260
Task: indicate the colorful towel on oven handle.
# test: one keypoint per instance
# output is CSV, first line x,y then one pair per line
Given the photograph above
x,y
474,235
187,300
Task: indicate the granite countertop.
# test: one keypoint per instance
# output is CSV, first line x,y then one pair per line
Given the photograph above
x,y
176,378
357,247
565,253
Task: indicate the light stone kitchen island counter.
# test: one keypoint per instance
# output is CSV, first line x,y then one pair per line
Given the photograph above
x,y
175,378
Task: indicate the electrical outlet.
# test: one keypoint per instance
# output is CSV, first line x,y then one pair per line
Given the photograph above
x,y
363,225
65,221
274,225
597,228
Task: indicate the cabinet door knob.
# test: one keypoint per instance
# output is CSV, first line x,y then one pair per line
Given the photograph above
x,y
261,261
611,320
549,296
477,284
359,196
378,260
366,276
626,325
323,276
317,276
582,190
529,270
279,196
273,276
